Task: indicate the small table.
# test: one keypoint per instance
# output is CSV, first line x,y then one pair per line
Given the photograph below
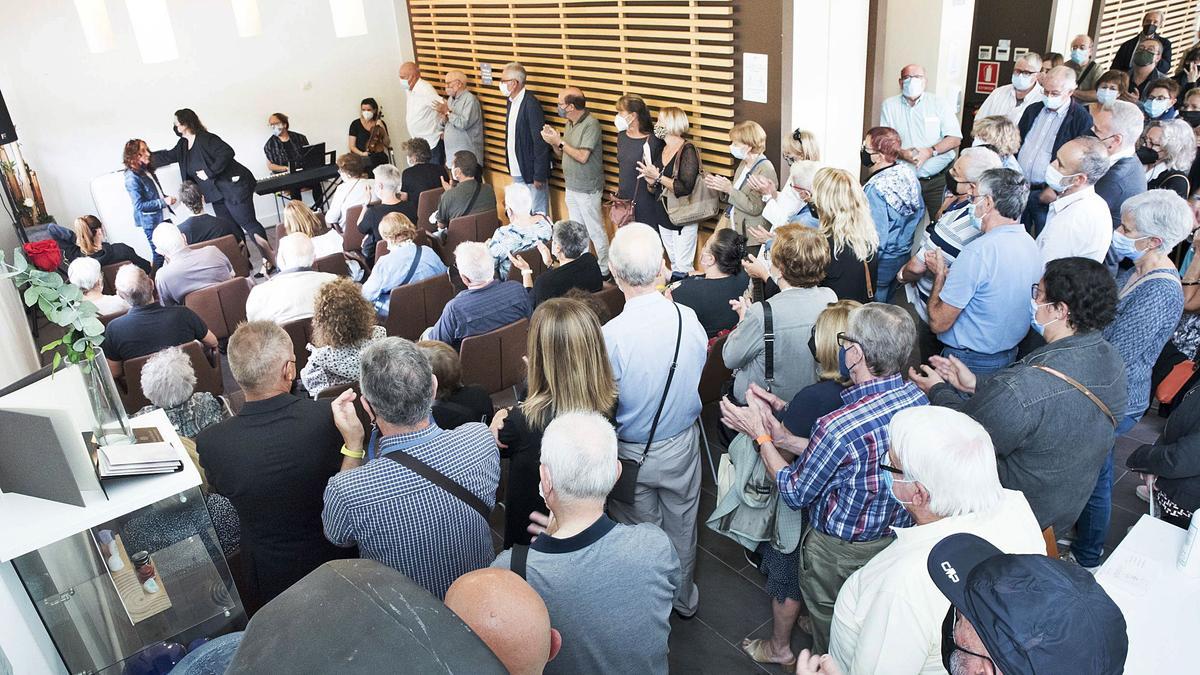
x,y
1159,601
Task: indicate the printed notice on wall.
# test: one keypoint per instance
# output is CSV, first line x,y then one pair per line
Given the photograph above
x,y
754,77
485,73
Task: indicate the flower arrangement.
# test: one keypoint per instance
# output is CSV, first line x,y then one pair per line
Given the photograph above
x,y
63,304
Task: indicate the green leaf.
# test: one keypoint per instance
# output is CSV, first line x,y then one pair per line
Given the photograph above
x,y
93,327
80,344
57,361
52,280
70,293
45,305
32,295
88,310
51,345
19,263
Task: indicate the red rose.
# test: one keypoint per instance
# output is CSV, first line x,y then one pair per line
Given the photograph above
x,y
44,255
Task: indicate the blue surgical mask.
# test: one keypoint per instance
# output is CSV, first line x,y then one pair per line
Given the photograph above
x,y
1156,106
1079,56
976,221
1022,81
913,87
890,481
1039,327
1106,97
1126,247
738,151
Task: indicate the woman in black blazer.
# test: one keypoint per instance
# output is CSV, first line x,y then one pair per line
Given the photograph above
x,y
209,162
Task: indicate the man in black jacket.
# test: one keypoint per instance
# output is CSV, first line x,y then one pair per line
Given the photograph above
x,y
527,154
1151,22
1045,127
1118,128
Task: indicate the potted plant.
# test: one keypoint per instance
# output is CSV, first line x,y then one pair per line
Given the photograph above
x,y
63,304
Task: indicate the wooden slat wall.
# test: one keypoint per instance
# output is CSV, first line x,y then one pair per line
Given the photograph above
x,y
1122,19
669,52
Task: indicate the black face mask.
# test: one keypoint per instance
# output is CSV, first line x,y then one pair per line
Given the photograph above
x,y
951,184
175,128
812,343
948,647
865,157
1150,29
1147,156
1192,117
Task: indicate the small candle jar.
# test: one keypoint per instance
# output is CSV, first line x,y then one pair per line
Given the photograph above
x,y
145,570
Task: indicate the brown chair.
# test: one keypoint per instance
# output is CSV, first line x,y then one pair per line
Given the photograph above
x,y
351,238
414,307
105,318
495,360
300,331
471,227
332,264
234,250
712,380
612,296
531,256
222,306
1051,541
334,392
208,376
427,203
381,249
109,274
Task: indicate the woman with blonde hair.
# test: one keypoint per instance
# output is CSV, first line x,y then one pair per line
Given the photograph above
x,y
801,145
748,142
568,372
406,262
90,238
1001,136
677,170
297,217
343,325
793,421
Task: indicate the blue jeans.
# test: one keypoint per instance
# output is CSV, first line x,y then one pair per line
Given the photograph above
x,y
541,198
885,277
1092,526
979,363
157,259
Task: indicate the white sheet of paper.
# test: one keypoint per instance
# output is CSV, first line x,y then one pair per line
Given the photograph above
x,y
754,77
201,175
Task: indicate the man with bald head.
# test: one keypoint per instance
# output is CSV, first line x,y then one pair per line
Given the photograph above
x,y
509,616
1152,22
583,169
290,294
1078,221
462,118
1045,127
421,110
929,132
1011,100
1081,54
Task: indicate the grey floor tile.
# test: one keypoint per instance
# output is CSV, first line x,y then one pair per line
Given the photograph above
x,y
1125,497
697,648
800,639
1148,429
729,602
757,578
727,550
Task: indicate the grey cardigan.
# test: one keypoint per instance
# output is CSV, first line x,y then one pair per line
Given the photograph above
x,y
1050,439
748,204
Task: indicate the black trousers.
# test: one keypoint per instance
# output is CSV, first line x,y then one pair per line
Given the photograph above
x,y
243,214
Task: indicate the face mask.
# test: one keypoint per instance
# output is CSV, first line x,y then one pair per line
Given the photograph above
x,y
1147,156
1126,247
1055,102
1143,57
660,131
1149,29
277,129
1106,97
621,123
504,89
175,130
405,85
951,184
913,87
890,482
843,367
368,114
1192,117
976,142
1022,81
1156,106
1039,327
812,344
865,157
1056,180
973,215
738,152
562,112
1079,56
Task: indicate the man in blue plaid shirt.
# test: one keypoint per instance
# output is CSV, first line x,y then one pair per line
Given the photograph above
x,y
836,475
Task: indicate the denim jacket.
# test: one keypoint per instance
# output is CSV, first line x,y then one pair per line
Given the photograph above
x,y
148,205
1050,439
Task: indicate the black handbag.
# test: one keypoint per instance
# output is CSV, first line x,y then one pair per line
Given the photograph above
x,y
626,485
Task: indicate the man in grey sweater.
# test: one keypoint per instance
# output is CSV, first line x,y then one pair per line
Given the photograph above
x,y
609,587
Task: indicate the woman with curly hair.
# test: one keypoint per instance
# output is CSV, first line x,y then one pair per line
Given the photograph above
x,y
1033,405
343,326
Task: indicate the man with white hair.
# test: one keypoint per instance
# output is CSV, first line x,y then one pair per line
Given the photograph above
x,y
462,117
485,305
615,618
186,269
290,294
1118,127
792,203
1011,100
524,230
1045,127
387,190
1077,224
527,154
148,326
941,468
86,274
421,110
657,349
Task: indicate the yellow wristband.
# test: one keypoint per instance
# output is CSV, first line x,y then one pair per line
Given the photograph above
x,y
765,438
353,454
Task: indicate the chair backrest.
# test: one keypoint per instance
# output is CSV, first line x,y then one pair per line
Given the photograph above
x,y
105,318
1051,541
471,227
300,331
222,306
334,263
531,256
381,249
613,298
715,374
494,360
351,238
208,376
236,252
427,203
109,273
334,392
416,306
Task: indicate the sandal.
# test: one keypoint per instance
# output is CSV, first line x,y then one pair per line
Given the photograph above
x,y
759,651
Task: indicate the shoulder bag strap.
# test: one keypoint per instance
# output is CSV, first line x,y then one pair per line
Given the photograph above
x,y
670,376
520,554
870,284
769,344
1155,274
412,269
1082,389
441,480
474,195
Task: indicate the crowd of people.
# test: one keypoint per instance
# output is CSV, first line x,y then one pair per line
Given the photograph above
x,y
873,436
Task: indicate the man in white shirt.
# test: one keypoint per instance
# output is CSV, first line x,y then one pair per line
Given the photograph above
x,y
290,294
1011,100
1078,222
421,110
929,131
942,468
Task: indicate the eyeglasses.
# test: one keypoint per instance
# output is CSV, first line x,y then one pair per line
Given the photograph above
x,y
1034,290
889,468
844,340
949,646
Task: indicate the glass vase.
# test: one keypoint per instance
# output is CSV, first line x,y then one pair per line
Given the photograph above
x,y
111,424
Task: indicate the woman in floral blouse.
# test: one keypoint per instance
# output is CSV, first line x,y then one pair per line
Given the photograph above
x,y
343,325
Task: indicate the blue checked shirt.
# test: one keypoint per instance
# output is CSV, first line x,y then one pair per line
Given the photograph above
x,y
513,239
400,519
837,479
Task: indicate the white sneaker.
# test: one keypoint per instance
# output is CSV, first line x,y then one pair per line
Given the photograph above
x,y
1143,493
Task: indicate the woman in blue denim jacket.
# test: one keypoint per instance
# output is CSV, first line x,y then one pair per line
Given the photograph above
x,y
144,192
894,194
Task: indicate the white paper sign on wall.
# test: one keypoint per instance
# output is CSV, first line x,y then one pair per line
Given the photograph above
x,y
754,77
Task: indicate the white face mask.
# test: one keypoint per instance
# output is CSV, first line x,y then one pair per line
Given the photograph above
x,y
505,89
411,162
405,85
738,151
976,142
1055,102
368,114
913,87
1022,81
620,122
277,129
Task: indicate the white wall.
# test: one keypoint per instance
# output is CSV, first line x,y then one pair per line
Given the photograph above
x,y
1068,18
74,110
933,33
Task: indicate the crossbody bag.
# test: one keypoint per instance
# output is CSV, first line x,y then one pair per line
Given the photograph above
x,y
442,481
1082,389
626,484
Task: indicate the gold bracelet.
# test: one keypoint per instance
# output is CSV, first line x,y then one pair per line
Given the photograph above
x,y
353,454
